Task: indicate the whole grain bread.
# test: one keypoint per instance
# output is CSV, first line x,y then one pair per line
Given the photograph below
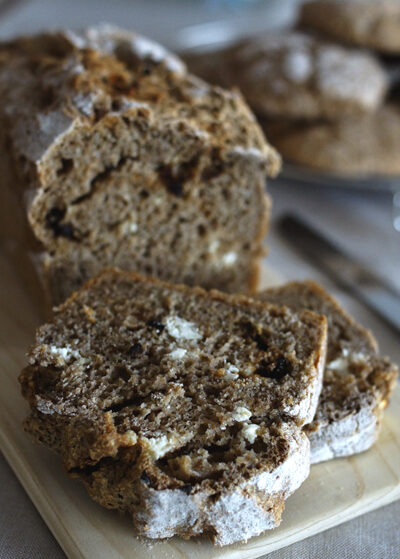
x,y
114,155
354,146
296,75
373,24
181,406
357,380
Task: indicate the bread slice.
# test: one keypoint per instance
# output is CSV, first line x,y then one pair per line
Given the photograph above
x,y
112,154
182,406
229,492
357,380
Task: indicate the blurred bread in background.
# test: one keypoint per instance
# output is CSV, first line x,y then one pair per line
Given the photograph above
x,y
324,105
366,145
297,75
373,24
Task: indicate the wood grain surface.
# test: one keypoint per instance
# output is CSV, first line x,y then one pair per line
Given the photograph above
x,y
336,491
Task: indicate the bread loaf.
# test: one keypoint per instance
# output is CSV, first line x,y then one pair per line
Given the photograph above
x,y
112,154
297,75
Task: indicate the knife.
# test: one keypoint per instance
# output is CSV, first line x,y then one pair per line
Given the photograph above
x,y
343,269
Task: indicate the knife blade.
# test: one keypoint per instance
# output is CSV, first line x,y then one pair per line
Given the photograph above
x,y
343,269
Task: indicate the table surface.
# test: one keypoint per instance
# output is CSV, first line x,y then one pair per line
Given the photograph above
x,y
360,222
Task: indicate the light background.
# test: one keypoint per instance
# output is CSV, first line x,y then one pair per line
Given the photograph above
x,y
359,222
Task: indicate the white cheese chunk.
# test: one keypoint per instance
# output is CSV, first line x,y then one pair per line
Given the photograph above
x,y
67,353
229,258
214,246
249,432
178,353
159,446
241,414
231,372
182,329
342,363
129,438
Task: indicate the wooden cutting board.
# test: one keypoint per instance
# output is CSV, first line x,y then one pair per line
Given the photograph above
x,y
335,491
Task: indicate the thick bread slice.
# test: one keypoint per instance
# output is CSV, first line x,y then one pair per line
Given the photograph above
x,y
192,401
123,343
114,155
241,498
357,380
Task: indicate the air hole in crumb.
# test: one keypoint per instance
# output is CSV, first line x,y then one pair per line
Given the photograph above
x,y
145,478
66,167
53,221
213,499
202,429
201,230
122,405
186,489
261,342
120,372
226,194
68,231
116,105
174,180
146,69
276,371
54,216
99,113
211,390
253,331
47,98
135,349
156,324
215,168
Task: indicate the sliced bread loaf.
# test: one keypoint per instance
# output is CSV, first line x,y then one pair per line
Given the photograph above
x,y
357,380
183,406
114,155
